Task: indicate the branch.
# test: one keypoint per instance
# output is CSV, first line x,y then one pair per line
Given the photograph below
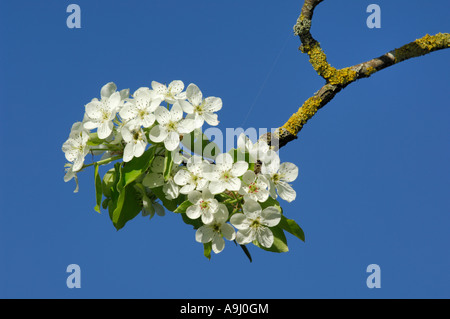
x,y
338,79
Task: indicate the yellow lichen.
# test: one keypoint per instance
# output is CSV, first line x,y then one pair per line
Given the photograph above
x,y
422,46
297,120
370,70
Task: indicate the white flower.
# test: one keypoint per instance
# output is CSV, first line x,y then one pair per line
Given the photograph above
x,y
254,187
200,109
204,205
171,125
101,113
71,174
254,223
279,177
192,178
216,230
136,142
259,151
225,175
170,94
75,149
139,111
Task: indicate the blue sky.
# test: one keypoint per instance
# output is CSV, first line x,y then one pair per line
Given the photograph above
x,y
374,175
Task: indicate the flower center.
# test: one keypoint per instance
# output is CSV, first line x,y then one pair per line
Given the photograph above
x,y
256,223
253,188
226,175
204,204
172,126
199,108
276,178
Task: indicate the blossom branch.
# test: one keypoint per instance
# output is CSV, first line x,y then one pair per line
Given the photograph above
x,y
338,79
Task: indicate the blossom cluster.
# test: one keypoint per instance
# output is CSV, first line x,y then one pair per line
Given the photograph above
x,y
224,197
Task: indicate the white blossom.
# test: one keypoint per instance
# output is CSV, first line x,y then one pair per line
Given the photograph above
x,y
200,109
279,177
192,177
170,125
139,111
254,187
170,94
216,230
75,149
224,175
136,142
254,223
259,151
203,204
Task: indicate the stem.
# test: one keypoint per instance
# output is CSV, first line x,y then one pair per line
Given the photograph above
x,y
103,162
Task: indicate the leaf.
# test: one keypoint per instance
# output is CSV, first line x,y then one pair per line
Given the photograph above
x,y
128,206
279,241
182,207
207,247
168,164
198,143
98,189
292,227
271,202
169,204
197,223
108,182
94,140
137,166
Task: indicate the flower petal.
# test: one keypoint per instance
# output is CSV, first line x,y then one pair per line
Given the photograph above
x,y
228,231
204,234
289,171
264,236
176,87
239,168
158,134
286,191
271,216
172,141
162,115
218,244
194,95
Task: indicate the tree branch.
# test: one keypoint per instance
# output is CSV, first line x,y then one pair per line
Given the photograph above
x,y
338,79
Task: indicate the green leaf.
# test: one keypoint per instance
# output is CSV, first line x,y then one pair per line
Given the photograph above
x,y
271,202
98,189
279,243
137,166
207,250
94,140
182,207
128,206
292,227
198,143
169,204
108,182
168,164
197,223
105,203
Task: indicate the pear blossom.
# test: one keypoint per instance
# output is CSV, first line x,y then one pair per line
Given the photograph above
x,y
279,177
102,113
254,223
170,126
259,151
224,175
204,205
139,111
170,94
192,178
216,230
254,187
200,109
75,149
136,142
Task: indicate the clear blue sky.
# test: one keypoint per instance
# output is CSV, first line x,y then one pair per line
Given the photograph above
x,y
374,163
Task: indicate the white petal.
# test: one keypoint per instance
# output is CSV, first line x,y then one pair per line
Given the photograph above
x,y
158,134
264,236
159,88
128,111
207,216
105,130
213,104
271,216
176,112
107,90
286,191
228,231
289,171
233,184
194,95
162,115
172,141
186,126
251,206
210,118
239,168
182,177
218,244
239,221
194,197
139,148
225,161
148,120
186,106
93,109
204,234
193,212
216,187
245,236
128,152
176,87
